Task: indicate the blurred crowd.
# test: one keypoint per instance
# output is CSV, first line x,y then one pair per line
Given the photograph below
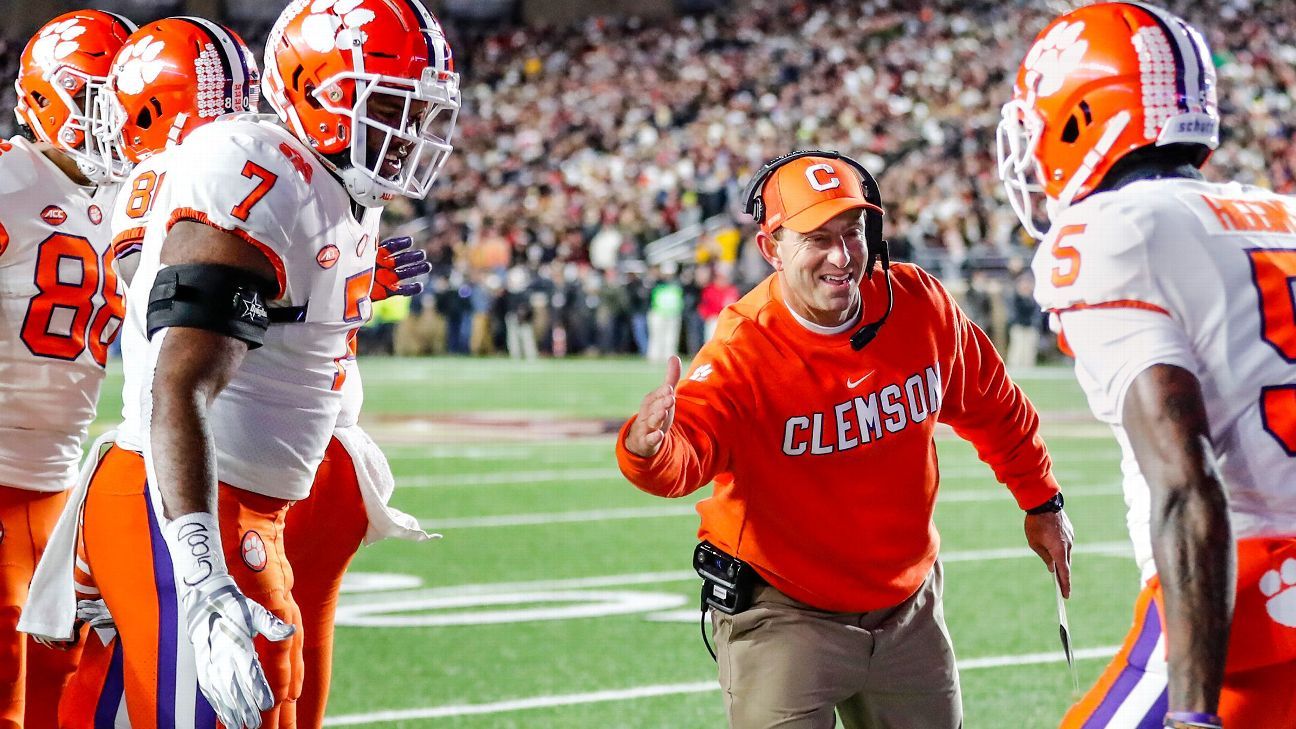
x,y
579,147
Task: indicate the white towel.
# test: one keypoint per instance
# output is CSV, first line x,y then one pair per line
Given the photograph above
x,y
51,608
376,486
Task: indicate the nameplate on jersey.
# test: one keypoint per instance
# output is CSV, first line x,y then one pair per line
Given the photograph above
x,y
1245,216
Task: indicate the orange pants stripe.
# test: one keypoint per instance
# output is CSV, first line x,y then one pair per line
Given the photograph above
x,y
32,677
1261,666
122,544
322,536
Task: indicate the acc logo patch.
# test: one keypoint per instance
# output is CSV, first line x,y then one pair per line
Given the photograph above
x,y
95,214
327,256
254,551
53,215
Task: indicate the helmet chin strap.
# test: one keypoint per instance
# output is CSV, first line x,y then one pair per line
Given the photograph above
x,y
361,187
92,171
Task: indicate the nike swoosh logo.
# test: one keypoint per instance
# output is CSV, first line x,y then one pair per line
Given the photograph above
x,y
851,384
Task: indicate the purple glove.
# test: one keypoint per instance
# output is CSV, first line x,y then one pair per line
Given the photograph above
x,y
397,264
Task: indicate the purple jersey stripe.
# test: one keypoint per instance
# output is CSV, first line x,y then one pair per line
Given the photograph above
x,y
1156,717
164,580
110,695
1135,665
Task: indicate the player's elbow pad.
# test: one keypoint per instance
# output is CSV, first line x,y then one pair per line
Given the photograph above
x,y
221,299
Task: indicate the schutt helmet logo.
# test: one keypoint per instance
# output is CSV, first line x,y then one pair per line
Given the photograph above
x,y
53,215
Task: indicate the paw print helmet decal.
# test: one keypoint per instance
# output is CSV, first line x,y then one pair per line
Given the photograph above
x,y
172,76
1099,83
370,86
60,75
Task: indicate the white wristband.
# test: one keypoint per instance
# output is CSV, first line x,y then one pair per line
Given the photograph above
x,y
195,546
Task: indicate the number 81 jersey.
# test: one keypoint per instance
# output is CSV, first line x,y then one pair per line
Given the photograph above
x,y
249,176
60,308
1198,275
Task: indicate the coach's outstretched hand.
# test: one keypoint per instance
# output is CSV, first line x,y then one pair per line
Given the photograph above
x,y
656,413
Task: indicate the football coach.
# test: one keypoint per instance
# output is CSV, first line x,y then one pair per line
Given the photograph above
x,y
818,431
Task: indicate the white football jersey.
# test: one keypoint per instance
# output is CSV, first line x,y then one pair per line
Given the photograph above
x,y
273,421
60,308
1198,275
134,206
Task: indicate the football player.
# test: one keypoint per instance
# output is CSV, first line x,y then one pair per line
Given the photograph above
x,y
1175,295
60,308
168,78
270,243
347,502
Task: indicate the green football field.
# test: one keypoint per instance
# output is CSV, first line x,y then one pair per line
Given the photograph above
x,y
561,596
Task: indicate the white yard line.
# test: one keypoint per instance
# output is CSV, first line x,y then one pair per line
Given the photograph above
x,y
643,692
508,478
550,475
1115,549
685,509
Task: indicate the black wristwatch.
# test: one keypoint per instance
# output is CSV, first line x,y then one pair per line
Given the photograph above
x,y
1052,506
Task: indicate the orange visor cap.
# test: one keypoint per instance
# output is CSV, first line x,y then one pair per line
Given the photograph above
x,y
807,192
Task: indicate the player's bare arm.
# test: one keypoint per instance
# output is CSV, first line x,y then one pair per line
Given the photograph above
x,y
656,414
194,365
1192,541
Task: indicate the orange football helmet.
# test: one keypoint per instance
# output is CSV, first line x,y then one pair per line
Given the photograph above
x,y
60,74
370,86
1099,83
172,76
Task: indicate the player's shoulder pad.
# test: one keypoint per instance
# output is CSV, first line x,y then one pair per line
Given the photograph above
x,y
241,173
18,165
228,143
1097,252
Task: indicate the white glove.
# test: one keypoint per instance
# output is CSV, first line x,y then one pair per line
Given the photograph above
x,y
89,612
95,614
222,623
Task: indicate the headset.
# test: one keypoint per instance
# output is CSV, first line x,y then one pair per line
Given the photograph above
x,y
754,205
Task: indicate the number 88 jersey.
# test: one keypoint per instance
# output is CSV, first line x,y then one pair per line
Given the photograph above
x,y
1198,275
60,308
249,176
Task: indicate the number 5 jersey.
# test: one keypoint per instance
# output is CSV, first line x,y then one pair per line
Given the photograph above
x,y
1198,275
60,308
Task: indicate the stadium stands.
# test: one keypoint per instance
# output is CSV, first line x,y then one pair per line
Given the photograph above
x,y
579,146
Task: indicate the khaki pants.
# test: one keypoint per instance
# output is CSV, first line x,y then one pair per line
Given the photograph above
x,y
786,664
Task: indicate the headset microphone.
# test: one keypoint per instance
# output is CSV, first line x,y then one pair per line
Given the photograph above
x,y
865,334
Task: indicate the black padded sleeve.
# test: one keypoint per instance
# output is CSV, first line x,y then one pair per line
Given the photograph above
x,y
217,298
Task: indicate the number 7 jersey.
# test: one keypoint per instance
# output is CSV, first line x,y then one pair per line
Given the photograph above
x,y
1198,275
60,308
247,175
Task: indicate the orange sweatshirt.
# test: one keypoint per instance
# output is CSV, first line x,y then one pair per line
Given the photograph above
x,y
823,458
